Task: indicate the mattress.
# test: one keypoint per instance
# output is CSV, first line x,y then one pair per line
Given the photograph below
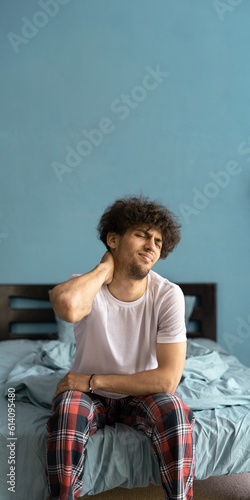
x,y
214,384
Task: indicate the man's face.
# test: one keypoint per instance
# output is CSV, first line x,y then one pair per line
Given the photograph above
x,y
137,251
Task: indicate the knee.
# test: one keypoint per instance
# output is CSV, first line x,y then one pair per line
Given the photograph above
x,y
171,409
65,400
164,401
72,406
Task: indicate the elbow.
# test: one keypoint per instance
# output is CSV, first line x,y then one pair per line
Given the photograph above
x,y
169,388
65,307
168,380
66,311
75,314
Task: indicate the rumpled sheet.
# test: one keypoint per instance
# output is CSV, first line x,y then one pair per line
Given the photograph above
x,y
212,378
36,376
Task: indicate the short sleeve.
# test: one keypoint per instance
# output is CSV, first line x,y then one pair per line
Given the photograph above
x,y
171,321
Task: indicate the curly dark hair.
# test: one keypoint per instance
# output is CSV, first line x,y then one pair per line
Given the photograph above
x,y
132,211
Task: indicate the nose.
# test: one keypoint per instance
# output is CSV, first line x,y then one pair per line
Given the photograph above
x,y
150,244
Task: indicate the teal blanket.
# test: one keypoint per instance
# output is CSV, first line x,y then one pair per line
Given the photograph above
x,y
213,378
36,376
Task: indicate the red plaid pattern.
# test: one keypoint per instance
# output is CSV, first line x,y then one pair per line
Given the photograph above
x,y
164,418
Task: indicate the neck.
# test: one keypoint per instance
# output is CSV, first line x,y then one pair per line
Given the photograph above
x,y
127,290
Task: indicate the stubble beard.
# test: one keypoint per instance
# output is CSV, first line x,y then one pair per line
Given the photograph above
x,y
131,268
135,271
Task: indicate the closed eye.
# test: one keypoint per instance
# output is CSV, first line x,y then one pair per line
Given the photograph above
x,y
145,236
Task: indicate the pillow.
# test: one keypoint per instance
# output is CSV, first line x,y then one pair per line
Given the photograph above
x,y
189,305
65,330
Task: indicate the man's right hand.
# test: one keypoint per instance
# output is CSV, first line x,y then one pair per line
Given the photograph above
x,y
108,261
73,299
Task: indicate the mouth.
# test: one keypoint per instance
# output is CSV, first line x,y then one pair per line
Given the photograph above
x,y
146,257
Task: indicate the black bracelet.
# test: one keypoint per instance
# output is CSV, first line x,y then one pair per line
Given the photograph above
x,y
91,390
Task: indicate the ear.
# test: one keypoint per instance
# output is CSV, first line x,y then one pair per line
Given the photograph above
x,y
112,240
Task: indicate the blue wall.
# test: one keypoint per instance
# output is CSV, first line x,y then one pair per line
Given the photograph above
x,y
165,87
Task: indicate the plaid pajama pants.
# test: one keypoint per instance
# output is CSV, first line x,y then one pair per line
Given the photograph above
x,y
164,418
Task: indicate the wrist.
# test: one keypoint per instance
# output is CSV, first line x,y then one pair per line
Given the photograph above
x,y
93,383
105,271
91,388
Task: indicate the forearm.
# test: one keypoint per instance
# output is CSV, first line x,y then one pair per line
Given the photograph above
x,y
137,384
158,380
73,299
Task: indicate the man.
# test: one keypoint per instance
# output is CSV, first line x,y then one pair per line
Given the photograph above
x,y
130,351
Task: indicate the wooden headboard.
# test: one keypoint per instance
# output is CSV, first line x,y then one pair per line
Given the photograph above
x,y
204,313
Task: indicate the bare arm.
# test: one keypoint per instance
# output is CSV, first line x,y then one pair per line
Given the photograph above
x,y
163,379
72,300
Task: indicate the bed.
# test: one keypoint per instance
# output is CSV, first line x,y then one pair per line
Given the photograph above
x,y
35,357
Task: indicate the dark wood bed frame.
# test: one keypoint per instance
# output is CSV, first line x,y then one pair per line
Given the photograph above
x,y
204,313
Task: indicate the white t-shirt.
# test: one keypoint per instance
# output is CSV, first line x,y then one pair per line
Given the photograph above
x,y
120,337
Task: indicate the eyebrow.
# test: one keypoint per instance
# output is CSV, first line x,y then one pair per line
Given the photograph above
x,y
146,232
